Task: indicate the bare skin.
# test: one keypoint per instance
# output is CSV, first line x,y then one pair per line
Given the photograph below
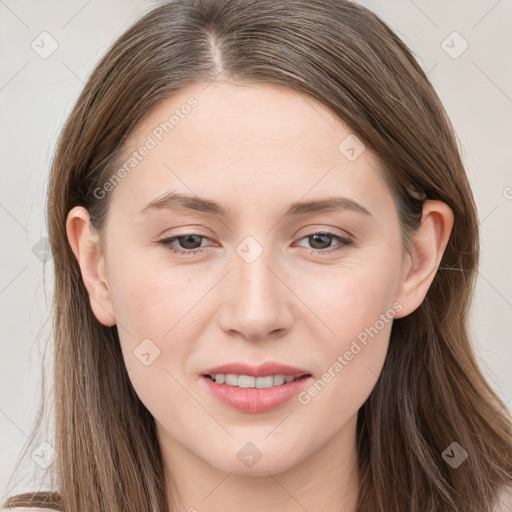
x,y
256,150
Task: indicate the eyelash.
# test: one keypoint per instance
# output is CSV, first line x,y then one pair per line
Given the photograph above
x,y
343,243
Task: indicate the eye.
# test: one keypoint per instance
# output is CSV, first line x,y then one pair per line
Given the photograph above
x,y
191,243
321,240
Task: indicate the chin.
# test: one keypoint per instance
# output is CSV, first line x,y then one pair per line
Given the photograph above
x,y
256,458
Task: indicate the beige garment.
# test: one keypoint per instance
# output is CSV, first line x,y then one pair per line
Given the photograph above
x,y
26,509
505,504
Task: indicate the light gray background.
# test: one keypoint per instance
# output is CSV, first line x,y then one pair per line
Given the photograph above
x,y
37,93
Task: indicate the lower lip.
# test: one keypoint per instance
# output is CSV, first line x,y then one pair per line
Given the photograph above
x,y
253,400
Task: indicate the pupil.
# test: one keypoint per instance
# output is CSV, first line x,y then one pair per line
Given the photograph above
x,y
188,239
315,239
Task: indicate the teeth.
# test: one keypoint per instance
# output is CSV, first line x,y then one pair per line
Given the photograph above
x,y
278,380
248,381
231,379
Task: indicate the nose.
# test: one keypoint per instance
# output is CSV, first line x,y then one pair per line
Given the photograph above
x,y
258,302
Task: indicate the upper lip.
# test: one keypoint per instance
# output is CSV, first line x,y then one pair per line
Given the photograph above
x,y
262,370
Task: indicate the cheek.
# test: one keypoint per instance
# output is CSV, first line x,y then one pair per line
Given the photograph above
x,y
358,308
154,312
350,375
166,304
152,297
352,296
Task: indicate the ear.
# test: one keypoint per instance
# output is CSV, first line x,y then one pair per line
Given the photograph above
x,y
86,247
423,258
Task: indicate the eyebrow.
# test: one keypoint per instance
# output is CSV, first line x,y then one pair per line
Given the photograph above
x,y
177,201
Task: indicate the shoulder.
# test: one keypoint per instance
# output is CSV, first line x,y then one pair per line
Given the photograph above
x,y
26,509
35,501
505,501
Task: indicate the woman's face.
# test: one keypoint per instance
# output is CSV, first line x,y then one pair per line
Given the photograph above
x,y
251,284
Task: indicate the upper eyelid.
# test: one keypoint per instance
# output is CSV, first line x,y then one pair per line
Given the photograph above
x,y
345,236
310,231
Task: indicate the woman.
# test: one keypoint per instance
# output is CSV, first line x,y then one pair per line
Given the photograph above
x,y
205,358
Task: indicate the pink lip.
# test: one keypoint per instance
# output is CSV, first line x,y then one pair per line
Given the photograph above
x,y
255,400
262,370
252,400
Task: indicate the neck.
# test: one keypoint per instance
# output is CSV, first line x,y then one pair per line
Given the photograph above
x,y
327,479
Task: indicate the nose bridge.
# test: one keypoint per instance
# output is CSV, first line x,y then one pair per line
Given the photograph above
x,y
257,302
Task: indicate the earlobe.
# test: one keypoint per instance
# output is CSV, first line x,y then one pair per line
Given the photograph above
x,y
87,250
424,257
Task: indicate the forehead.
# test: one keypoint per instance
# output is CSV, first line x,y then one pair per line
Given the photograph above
x,y
244,118
248,141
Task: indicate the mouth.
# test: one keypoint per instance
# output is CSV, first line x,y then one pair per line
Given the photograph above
x,y
255,390
253,382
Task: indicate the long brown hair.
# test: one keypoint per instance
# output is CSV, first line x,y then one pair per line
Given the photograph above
x,y
430,393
